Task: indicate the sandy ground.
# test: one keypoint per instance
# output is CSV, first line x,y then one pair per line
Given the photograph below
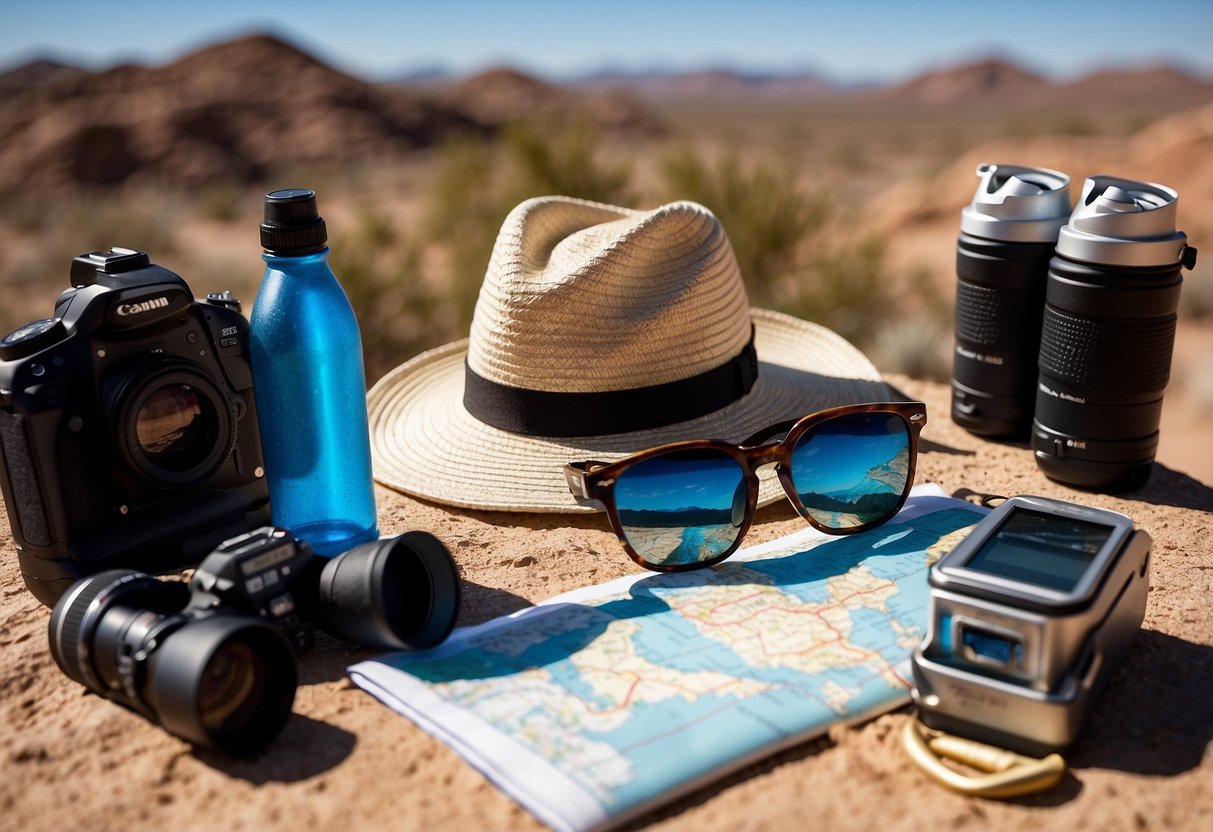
x,y
346,761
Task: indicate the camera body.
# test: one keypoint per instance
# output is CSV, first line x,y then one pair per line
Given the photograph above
x,y
267,574
1028,618
128,426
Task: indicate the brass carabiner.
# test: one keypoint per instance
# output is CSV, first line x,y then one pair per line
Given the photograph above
x,y
1007,774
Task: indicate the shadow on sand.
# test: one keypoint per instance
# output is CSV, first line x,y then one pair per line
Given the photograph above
x,y
1168,487
307,747
1156,715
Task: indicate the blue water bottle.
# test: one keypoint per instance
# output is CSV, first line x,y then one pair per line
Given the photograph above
x,y
311,393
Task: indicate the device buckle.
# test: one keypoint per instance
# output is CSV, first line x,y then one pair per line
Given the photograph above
x,y
1007,774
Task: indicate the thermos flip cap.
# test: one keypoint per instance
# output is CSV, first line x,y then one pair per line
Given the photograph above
x,y
1017,204
1122,222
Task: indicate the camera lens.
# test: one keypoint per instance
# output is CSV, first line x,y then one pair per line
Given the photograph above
x,y
217,679
231,684
176,428
391,593
173,426
225,681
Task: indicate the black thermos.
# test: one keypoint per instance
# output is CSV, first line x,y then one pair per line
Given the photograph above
x,y
1109,328
1007,235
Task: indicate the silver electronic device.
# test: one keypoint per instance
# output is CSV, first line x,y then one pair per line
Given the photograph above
x,y
1028,617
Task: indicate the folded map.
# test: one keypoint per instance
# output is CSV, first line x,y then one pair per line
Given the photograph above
x,y
600,704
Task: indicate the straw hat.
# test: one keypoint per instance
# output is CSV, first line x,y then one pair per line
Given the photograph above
x,y
599,331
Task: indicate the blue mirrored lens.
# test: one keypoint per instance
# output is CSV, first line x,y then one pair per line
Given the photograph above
x,y
852,470
682,507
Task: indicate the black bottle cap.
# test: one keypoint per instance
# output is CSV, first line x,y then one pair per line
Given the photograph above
x,y
293,224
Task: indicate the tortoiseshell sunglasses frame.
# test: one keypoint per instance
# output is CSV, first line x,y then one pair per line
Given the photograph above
x,y
593,482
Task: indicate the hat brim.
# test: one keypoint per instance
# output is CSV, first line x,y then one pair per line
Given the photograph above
x,y
424,443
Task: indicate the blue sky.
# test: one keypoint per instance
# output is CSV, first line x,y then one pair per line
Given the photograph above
x,y
848,41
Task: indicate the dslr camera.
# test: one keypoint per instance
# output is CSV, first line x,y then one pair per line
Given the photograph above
x,y
128,427
214,662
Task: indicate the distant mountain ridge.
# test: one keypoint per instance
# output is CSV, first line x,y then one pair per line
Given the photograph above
x,y
990,80
967,83
237,109
891,476
712,82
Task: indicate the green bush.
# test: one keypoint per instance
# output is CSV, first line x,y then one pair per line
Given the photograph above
x,y
479,182
399,314
920,347
766,213
786,239
64,227
842,285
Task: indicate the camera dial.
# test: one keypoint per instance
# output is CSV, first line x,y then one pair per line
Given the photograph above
x,y
29,339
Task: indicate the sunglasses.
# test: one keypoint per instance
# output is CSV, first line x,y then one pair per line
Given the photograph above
x,y
687,505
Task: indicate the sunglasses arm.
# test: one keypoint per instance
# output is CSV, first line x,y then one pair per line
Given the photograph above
x,y
575,476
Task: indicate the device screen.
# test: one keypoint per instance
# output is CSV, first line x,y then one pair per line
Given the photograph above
x,y
1041,549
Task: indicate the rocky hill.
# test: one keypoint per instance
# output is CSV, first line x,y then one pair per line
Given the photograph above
x,y
235,110
982,81
1128,87
41,72
499,95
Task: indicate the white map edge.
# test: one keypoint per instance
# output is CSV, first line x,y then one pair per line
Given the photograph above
x,y
532,781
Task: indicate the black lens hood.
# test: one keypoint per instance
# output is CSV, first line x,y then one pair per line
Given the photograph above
x,y
391,593
176,672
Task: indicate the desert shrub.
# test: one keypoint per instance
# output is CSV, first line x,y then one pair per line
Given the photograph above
x,y
852,157
221,202
1135,123
399,314
22,212
786,239
765,211
478,183
920,347
148,220
1074,125
843,285
567,161
67,227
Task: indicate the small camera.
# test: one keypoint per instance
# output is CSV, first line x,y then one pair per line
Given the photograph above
x,y
1028,617
128,427
214,662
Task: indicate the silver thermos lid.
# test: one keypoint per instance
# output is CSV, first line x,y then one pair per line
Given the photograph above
x,y
1122,222
1017,204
